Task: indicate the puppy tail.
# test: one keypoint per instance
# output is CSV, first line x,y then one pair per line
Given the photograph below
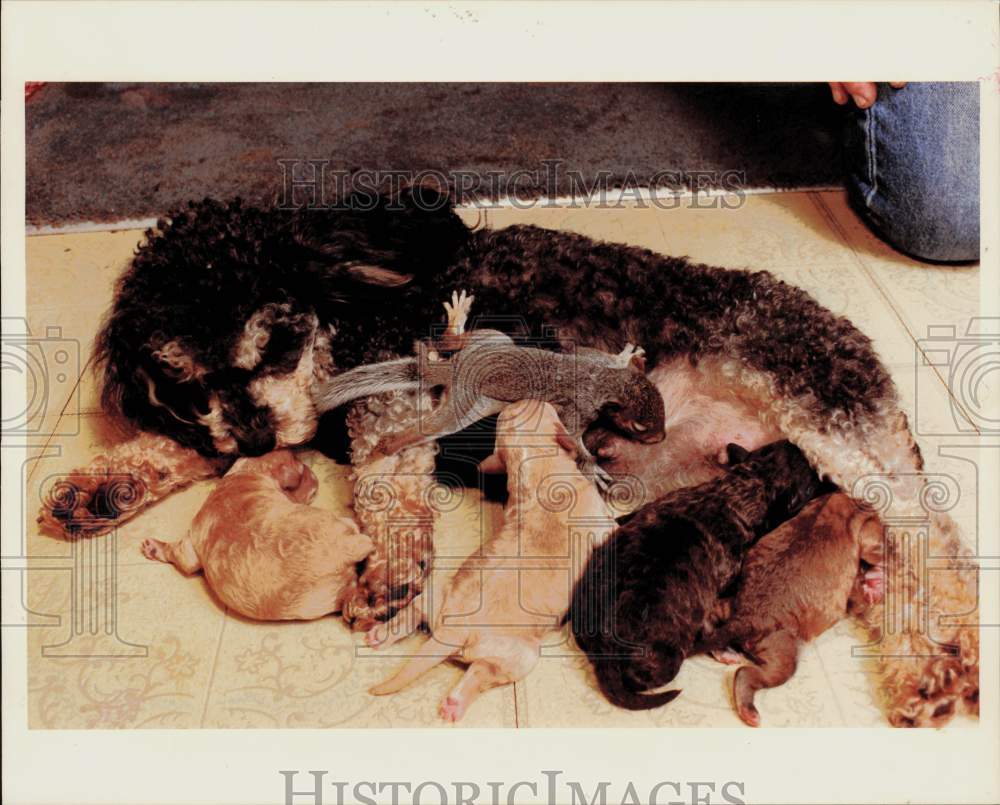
x,y
610,677
364,381
431,653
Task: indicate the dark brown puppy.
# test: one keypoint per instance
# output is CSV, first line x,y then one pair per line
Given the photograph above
x,y
649,591
796,583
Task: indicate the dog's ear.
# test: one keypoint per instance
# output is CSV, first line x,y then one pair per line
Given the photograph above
x,y
735,454
378,275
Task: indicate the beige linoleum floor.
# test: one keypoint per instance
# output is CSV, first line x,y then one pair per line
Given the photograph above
x,y
172,657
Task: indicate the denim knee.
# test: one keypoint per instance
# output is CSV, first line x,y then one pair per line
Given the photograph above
x,y
912,167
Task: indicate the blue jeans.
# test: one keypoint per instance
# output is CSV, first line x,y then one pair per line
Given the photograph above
x,y
912,165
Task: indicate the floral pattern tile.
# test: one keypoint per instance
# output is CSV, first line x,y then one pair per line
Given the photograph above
x,y
562,692
147,665
317,674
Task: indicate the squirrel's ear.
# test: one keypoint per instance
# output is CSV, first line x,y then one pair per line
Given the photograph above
x,y
736,454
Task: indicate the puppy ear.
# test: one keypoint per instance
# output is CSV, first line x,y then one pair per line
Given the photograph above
x,y
287,469
377,275
492,465
735,454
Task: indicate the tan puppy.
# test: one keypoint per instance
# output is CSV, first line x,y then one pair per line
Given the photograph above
x,y
796,583
265,553
502,602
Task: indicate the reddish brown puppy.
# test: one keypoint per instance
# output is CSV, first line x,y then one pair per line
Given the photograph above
x,y
796,583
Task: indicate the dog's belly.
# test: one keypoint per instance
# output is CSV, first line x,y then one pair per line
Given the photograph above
x,y
704,413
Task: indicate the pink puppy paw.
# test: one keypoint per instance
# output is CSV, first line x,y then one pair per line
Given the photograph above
x,y
376,636
452,709
151,550
749,715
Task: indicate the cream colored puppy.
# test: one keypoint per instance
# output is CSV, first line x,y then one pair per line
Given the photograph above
x,y
265,552
502,602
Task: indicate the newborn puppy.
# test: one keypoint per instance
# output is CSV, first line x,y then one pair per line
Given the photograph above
x,y
265,553
796,583
504,600
651,589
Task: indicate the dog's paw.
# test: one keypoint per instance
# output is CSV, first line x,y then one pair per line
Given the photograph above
x,y
86,504
929,690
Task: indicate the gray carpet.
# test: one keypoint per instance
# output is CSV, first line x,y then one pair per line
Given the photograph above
x,y
105,152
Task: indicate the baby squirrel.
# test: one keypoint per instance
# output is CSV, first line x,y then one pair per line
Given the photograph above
x,y
488,371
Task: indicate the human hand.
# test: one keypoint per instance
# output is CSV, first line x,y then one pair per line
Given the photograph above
x,y
863,93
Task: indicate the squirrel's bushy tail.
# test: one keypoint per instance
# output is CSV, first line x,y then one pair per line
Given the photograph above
x,y
364,381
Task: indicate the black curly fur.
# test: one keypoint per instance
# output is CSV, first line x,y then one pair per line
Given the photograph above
x,y
203,271
648,591
606,294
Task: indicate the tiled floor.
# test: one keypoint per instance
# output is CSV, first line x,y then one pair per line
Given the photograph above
x,y
169,655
